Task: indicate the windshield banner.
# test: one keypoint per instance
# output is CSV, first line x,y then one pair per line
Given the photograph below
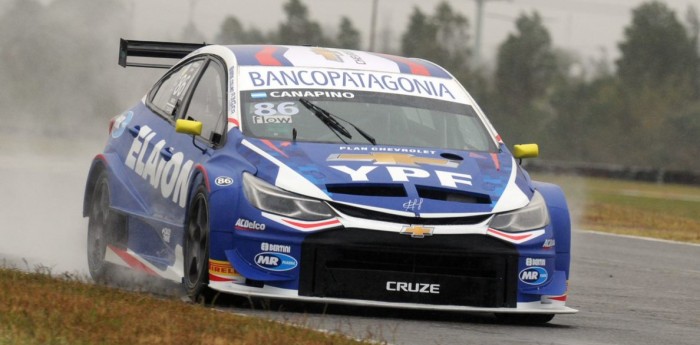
x,y
260,78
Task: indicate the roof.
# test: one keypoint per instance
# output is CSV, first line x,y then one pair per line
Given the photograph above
x,y
305,56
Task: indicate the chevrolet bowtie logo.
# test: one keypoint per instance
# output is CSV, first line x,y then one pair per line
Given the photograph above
x,y
393,159
328,54
417,231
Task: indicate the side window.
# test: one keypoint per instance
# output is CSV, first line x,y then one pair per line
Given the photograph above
x,y
207,103
173,87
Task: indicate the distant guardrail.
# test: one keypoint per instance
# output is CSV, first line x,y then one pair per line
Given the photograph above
x,y
613,171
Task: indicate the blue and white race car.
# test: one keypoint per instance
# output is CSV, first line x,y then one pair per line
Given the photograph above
x,y
323,175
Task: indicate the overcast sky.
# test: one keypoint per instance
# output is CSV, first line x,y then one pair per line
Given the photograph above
x,y
588,27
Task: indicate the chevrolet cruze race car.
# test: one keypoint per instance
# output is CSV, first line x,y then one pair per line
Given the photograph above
x,y
323,175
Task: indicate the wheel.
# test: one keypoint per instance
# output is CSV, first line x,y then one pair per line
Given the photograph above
x,y
105,227
196,248
524,319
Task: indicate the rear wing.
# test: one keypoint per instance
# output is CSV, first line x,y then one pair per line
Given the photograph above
x,y
153,49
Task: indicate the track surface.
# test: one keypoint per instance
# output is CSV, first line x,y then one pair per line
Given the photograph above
x,y
628,291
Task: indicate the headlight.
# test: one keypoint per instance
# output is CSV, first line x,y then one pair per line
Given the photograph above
x,y
269,198
533,216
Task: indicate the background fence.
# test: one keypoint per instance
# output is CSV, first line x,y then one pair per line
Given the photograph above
x,y
614,171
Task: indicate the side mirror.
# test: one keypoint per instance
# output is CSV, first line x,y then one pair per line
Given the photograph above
x,y
188,127
526,151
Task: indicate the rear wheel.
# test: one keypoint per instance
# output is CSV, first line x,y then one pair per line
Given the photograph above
x,y
524,319
104,228
196,247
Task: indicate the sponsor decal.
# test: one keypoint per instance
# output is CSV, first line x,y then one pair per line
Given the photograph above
x,y
245,224
413,287
221,271
273,109
275,261
337,55
353,80
171,177
328,54
549,243
358,60
310,94
221,267
413,205
166,234
534,275
223,181
387,149
233,101
264,120
403,174
258,95
120,124
535,262
417,231
271,113
279,248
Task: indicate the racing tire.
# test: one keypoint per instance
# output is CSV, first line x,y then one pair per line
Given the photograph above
x,y
105,227
196,248
524,319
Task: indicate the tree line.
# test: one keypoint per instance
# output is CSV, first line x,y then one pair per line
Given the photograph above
x,y
643,110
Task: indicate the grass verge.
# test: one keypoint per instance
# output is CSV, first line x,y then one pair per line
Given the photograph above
x,y
664,211
36,308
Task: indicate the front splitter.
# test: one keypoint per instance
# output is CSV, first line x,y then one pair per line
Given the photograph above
x,y
288,294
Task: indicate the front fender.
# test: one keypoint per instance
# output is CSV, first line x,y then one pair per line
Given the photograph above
x,y
222,177
560,220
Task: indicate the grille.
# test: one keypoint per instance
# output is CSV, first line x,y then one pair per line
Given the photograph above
x,y
468,270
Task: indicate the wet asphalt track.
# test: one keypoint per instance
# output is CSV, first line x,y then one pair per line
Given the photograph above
x,y
628,291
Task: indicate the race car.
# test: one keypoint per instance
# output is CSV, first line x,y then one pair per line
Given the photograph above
x,y
323,175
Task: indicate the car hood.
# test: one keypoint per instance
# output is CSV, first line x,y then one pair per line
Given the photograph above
x,y
425,182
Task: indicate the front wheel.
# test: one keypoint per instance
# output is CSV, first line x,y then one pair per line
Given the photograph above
x,y
196,247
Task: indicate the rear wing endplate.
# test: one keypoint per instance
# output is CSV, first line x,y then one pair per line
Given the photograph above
x,y
153,49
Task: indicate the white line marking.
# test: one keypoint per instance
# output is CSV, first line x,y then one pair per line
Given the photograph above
x,y
639,238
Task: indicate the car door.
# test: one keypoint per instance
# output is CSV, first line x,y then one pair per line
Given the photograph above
x,y
154,165
204,103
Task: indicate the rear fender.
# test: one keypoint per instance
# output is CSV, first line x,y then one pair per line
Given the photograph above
x,y
99,164
123,197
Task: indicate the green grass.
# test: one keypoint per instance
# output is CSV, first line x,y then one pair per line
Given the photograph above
x,y
662,211
36,308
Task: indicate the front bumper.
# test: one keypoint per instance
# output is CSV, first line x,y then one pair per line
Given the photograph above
x,y
465,272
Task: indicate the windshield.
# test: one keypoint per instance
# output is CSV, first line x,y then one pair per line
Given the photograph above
x,y
391,119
